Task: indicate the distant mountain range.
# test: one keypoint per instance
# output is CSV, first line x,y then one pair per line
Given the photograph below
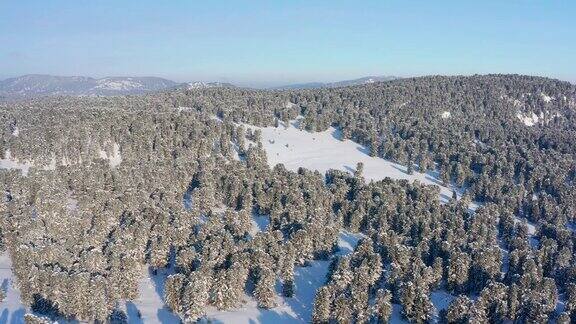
x,y
37,85
345,83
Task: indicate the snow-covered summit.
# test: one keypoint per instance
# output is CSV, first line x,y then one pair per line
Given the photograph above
x,y
203,85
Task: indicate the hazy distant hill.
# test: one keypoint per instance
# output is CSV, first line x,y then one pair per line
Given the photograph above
x,y
35,85
312,85
203,85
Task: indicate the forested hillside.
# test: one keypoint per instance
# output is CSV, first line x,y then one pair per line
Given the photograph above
x,y
97,189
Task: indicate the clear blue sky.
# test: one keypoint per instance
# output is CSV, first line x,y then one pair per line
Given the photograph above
x,y
276,42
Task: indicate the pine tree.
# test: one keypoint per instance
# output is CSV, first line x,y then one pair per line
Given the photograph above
x,y
459,310
410,167
383,305
342,312
264,290
478,314
321,312
195,296
173,292
563,318
359,172
571,297
220,292
458,269
33,319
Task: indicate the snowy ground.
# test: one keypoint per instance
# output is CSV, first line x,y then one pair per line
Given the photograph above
x,y
11,309
289,310
149,306
9,162
323,151
298,309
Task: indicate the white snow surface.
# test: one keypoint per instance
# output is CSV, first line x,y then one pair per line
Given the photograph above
x,y
528,120
325,150
114,158
546,97
118,85
11,309
441,300
8,162
446,114
150,304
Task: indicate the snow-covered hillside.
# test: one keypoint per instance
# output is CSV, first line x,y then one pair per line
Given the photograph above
x,y
294,148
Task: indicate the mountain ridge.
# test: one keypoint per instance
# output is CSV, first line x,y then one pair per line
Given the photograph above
x,y
37,85
337,84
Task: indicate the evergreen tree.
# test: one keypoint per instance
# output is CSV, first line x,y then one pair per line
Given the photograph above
x,y
321,312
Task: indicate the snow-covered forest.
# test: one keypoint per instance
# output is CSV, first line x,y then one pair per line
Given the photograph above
x,y
432,199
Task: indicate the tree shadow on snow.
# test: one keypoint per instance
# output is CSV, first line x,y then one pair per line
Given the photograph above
x,y
16,318
4,317
4,285
348,243
364,150
158,276
307,280
165,316
273,317
337,134
401,169
133,313
349,169
433,179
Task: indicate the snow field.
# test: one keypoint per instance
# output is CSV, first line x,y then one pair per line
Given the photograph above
x,y
325,150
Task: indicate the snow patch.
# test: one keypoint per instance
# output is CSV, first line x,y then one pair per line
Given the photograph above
x,y
8,162
259,224
441,300
445,114
180,109
546,98
114,158
204,85
71,202
118,85
528,120
531,227
532,239
149,307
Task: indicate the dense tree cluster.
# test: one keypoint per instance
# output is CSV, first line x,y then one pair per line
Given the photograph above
x,y
174,179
